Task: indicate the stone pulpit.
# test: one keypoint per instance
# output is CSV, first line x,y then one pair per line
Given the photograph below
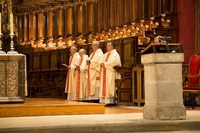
x,y
12,78
163,85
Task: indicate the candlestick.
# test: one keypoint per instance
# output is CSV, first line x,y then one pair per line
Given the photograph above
x,y
12,51
11,23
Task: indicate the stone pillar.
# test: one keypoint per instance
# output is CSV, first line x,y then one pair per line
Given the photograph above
x,y
13,79
163,86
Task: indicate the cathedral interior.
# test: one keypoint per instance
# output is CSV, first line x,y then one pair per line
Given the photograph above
x,y
36,37
45,30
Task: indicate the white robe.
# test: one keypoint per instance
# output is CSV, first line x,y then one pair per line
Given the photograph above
x,y
80,80
93,75
70,86
108,76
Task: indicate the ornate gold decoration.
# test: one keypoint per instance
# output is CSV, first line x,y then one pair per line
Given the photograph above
x,y
12,78
2,79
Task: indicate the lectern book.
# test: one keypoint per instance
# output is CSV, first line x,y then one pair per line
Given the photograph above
x,y
163,48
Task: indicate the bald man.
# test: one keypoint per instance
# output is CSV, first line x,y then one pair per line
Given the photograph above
x,y
80,76
70,86
93,72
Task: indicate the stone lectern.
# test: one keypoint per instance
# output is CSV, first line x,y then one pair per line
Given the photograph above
x,y
12,78
163,86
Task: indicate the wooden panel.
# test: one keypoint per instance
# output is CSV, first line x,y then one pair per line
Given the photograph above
x,y
124,86
64,16
127,53
29,62
149,11
125,96
44,25
20,26
159,7
138,85
155,8
126,11
173,6
79,21
53,60
134,11
151,8
142,10
90,17
34,26
112,13
146,9
26,25
49,106
100,16
40,25
64,56
31,24
119,12
105,14
60,22
140,13
55,25
69,21
36,62
45,61
118,47
50,24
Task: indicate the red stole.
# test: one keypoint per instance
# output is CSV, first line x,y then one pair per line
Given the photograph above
x,y
78,81
104,78
88,83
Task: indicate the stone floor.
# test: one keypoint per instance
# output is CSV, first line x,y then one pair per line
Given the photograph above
x,y
122,119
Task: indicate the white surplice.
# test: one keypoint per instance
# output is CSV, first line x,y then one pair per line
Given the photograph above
x,y
70,86
108,76
93,75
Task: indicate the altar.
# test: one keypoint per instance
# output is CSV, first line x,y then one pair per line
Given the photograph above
x,y
13,81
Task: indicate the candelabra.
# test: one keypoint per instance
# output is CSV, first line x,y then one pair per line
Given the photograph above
x,y
12,51
1,51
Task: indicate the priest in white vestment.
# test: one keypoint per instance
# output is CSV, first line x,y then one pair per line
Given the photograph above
x,y
93,72
70,86
108,74
80,74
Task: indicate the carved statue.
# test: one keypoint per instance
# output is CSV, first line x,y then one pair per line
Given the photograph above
x,y
41,44
51,44
33,45
70,42
61,44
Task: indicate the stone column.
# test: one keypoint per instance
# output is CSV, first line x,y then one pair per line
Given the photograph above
x,y
13,79
163,86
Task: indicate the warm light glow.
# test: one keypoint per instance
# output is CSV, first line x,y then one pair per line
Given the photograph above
x,y
11,23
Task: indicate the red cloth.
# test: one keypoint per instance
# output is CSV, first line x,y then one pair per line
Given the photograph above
x,y
194,67
190,88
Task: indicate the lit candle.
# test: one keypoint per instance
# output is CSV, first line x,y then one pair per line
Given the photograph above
x,y
0,22
11,23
